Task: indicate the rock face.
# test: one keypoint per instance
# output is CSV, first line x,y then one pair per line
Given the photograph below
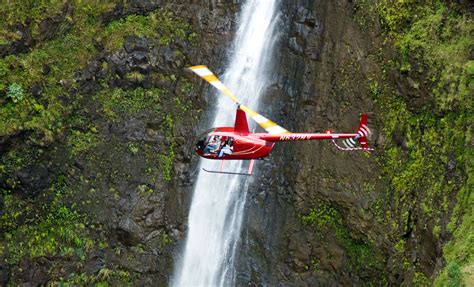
x,y
123,157
315,216
313,90
126,155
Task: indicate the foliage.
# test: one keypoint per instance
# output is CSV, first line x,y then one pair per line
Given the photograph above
x,y
50,66
451,276
80,142
104,277
15,92
60,231
428,158
139,25
120,104
163,26
361,255
320,216
130,102
44,106
165,240
437,36
166,160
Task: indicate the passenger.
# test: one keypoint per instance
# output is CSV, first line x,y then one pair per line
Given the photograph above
x,y
223,141
227,148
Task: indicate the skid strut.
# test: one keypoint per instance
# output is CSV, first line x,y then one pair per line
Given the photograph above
x,y
249,170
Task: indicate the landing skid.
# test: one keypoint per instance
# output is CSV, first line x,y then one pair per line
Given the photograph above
x,y
226,172
249,170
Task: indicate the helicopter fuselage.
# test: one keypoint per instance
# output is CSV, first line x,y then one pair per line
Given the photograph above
x,y
224,143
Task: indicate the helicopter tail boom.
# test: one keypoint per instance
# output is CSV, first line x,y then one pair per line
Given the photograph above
x,y
349,140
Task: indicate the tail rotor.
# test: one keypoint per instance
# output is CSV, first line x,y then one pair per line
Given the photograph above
x,y
359,142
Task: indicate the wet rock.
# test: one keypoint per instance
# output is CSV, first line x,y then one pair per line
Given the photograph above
x,y
36,91
136,44
4,275
128,232
20,46
295,46
33,179
133,129
123,9
125,191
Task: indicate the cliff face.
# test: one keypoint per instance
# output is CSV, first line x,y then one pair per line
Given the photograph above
x,y
309,221
98,120
318,216
98,123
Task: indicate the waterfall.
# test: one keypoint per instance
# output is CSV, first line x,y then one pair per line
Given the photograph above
x,y
218,201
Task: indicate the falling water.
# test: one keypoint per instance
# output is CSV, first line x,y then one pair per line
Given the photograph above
x,y
218,202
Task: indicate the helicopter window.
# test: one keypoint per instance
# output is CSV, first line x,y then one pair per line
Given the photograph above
x,y
203,139
227,147
217,145
213,144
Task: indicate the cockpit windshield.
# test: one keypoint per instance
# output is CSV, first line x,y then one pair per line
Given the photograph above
x,y
203,139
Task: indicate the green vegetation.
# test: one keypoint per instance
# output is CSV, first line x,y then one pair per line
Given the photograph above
x,y
428,160
362,256
51,229
104,277
165,240
438,37
320,216
30,13
80,142
50,66
161,26
60,233
15,93
130,102
124,103
52,122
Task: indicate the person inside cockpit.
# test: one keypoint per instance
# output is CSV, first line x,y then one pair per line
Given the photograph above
x,y
227,147
213,145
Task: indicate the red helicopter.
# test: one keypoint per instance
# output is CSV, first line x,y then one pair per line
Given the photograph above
x,y
238,143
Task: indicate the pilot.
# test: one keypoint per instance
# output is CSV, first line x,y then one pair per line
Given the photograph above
x,y
212,145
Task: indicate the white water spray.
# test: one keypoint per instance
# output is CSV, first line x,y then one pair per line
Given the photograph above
x,y
218,202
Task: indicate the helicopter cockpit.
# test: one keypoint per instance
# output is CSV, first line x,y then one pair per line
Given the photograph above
x,y
210,144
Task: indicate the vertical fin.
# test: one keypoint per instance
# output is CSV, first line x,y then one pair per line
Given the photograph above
x,y
241,125
362,132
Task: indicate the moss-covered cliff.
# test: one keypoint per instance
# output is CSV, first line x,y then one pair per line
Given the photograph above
x,y
322,218
97,116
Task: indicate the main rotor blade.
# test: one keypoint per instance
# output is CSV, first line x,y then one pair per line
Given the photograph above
x,y
268,125
203,72
271,127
